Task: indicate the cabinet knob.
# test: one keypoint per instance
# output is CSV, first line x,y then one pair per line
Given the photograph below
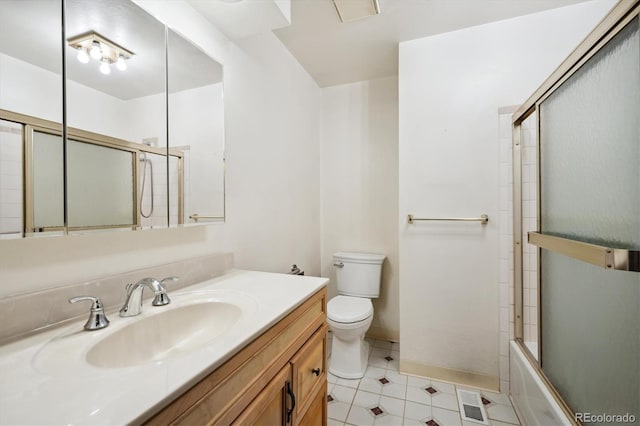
x,y
316,371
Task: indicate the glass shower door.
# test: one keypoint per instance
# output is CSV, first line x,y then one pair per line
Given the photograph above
x,y
590,204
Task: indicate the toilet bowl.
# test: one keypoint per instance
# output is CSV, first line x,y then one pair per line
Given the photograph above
x,y
350,314
349,318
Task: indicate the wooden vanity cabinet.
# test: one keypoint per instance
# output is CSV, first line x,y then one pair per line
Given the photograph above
x,y
278,379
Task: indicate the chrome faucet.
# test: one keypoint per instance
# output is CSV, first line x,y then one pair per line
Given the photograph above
x,y
133,304
97,318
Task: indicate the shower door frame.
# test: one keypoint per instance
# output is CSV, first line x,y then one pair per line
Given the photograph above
x,y
620,15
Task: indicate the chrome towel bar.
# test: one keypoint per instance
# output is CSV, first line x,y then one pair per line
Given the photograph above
x,y
197,217
483,219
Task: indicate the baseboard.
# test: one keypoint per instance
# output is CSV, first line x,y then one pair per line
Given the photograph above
x,y
380,333
458,377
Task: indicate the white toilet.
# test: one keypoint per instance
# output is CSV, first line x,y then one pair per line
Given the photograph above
x,y
350,314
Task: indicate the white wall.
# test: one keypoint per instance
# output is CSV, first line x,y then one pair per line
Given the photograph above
x,y
450,89
272,108
359,185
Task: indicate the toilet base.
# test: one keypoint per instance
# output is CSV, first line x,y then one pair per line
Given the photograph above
x,y
349,358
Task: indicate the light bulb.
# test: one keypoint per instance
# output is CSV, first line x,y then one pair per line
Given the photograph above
x,y
83,56
121,64
104,68
96,52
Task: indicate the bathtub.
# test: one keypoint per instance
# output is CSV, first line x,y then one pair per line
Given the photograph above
x,y
532,400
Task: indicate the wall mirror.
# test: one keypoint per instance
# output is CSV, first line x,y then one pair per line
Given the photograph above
x,y
144,121
30,99
196,130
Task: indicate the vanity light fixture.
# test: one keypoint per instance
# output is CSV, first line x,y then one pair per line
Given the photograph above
x,y
93,45
121,64
104,68
83,56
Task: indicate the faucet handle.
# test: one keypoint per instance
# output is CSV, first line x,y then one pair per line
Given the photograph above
x,y
97,318
172,278
162,298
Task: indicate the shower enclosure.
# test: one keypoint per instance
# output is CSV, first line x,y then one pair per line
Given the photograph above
x,y
576,157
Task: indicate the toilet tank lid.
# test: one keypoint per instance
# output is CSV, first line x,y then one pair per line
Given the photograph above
x,y
359,257
348,309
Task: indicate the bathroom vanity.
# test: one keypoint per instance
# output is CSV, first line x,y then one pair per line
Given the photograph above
x,y
278,379
243,348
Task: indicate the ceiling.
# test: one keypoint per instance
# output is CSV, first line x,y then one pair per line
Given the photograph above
x,y
31,29
338,53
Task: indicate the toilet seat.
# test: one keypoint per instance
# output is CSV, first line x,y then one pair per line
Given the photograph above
x,y
349,309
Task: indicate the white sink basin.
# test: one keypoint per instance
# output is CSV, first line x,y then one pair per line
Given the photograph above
x,y
191,322
164,334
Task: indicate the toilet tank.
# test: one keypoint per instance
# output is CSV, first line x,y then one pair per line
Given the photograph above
x,y
358,274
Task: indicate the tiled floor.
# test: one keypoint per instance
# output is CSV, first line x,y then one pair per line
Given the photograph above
x,y
385,397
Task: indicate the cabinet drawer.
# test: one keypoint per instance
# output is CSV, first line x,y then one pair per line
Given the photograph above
x,y
309,368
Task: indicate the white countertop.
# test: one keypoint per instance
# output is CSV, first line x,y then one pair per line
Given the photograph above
x,y
40,386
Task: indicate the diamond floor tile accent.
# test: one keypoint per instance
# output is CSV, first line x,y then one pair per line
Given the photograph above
x,y
377,411
384,396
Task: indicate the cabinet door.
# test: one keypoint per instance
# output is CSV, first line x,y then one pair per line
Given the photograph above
x,y
274,404
309,375
316,414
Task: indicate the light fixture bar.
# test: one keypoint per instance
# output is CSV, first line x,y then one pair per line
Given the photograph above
x,y
110,51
